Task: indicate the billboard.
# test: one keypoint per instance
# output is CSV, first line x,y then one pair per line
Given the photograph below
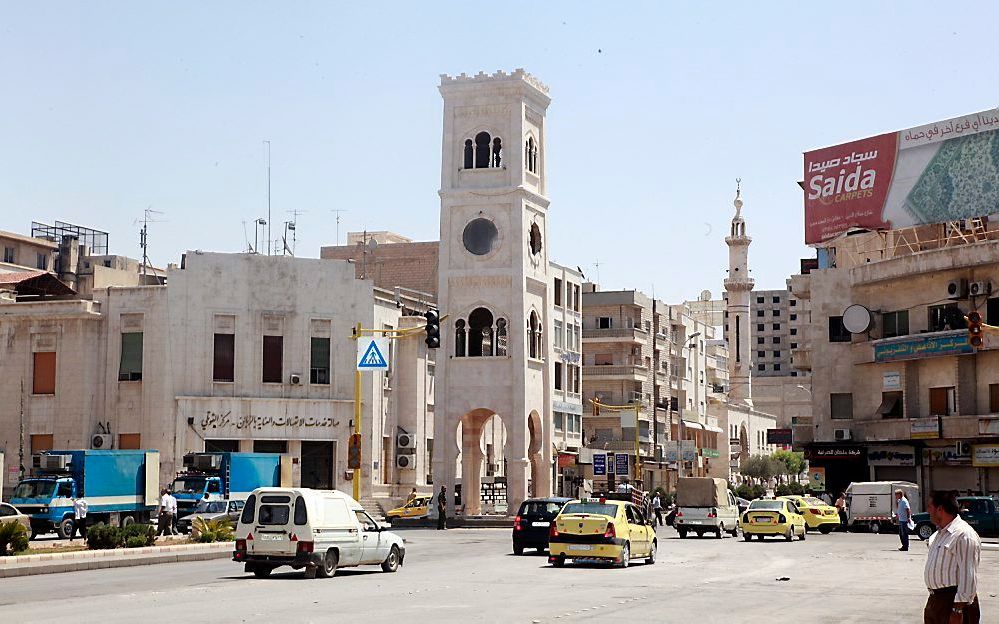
x,y
939,172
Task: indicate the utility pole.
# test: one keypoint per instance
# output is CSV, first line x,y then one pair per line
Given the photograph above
x,y
655,385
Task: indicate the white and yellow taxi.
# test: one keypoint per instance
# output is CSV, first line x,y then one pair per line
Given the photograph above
x,y
768,516
609,530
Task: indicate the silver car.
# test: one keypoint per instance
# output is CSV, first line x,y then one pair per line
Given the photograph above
x,y
212,510
9,513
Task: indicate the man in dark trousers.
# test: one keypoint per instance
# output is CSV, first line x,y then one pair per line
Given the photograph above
x,y
442,509
951,571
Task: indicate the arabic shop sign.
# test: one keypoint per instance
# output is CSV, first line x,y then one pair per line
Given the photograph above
x,y
710,453
836,452
225,420
985,455
891,456
924,428
918,347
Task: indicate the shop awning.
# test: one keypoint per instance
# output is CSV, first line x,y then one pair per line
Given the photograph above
x,y
713,429
888,403
693,425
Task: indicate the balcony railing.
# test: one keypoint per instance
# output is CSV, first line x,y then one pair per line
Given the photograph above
x,y
633,334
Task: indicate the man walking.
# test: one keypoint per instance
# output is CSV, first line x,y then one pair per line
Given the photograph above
x,y
79,518
173,513
903,513
442,510
951,572
165,526
841,508
657,509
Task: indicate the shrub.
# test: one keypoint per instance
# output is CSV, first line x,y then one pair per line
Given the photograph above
x,y
750,492
140,535
13,538
135,541
216,530
782,490
103,537
797,489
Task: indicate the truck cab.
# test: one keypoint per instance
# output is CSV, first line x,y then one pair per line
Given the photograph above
x,y
48,500
190,489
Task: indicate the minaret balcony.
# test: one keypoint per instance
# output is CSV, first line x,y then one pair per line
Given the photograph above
x,y
739,283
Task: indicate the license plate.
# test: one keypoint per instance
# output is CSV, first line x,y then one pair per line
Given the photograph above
x,y
271,537
764,521
693,521
581,547
540,524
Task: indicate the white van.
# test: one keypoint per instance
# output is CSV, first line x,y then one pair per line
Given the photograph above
x,y
705,505
872,504
318,530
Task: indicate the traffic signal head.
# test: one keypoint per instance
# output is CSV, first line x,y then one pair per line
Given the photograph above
x,y
354,452
976,335
433,338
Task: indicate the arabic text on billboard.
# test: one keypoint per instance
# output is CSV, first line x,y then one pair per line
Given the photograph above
x,y
931,174
917,347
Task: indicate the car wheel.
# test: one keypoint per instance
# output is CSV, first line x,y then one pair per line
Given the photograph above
x,y
391,563
700,534
760,537
127,521
720,531
262,571
328,567
804,533
682,533
65,528
747,536
625,556
559,562
518,549
825,529
651,559
925,531
735,532
875,527
790,534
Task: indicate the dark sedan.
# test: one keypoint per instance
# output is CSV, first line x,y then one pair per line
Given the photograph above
x,y
533,521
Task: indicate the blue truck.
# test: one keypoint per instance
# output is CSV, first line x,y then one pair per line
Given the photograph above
x,y
120,488
232,476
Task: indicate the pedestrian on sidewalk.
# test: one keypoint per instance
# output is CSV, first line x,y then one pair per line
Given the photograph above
x,y
442,510
951,572
173,513
841,508
165,526
79,518
657,509
903,513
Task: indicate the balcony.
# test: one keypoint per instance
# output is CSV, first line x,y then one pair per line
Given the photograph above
x,y
802,359
801,286
632,372
616,334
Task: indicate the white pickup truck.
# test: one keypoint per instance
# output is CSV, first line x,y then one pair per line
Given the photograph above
x,y
705,505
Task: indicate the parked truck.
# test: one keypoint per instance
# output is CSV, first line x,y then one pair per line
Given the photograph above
x,y
871,504
120,488
705,505
233,476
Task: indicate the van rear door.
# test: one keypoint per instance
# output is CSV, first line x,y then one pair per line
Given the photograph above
x,y
272,526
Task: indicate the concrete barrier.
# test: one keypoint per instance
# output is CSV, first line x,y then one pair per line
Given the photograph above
x,y
54,563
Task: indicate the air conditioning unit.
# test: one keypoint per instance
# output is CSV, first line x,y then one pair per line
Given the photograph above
x,y
963,449
842,434
52,463
207,461
979,289
405,462
101,441
405,441
295,379
957,289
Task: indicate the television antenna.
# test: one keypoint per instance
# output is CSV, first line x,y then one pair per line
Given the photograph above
x,y
147,218
291,226
338,219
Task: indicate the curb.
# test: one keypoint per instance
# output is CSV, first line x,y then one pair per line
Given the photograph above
x,y
55,563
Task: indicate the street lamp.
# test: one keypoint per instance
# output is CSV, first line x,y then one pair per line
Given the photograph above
x,y
256,233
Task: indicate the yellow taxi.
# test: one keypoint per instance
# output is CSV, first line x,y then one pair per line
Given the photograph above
x,y
608,530
772,516
416,508
818,515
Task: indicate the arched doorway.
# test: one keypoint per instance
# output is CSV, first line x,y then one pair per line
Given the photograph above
x,y
534,455
480,465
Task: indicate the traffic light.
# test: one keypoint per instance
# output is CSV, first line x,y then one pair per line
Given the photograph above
x,y
976,335
354,452
433,338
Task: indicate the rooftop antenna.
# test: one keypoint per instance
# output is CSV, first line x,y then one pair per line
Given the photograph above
x,y
144,236
268,144
290,225
246,239
337,213
596,265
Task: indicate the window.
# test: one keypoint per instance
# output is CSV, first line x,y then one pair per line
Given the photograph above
x,y
459,338
794,317
8,255
605,322
483,151
559,335
776,299
501,336
776,311
794,345
761,354
273,359
776,367
576,379
794,331
760,326
469,154
224,364
130,364
534,240
534,335
44,374
793,302
761,367
942,401
760,312
558,292
479,236
776,340
837,333
895,324
319,366
993,398
575,297
603,359
759,340
776,354
558,375
42,261
480,333
41,442
992,311
557,417
130,441
776,326
945,317
759,300
891,405
531,155
841,406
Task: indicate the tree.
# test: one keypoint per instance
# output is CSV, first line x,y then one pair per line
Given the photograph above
x,y
793,463
761,467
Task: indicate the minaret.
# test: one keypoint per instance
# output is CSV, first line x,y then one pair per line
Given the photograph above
x,y
739,287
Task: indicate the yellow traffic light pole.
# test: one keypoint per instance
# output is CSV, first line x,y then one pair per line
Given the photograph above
x,y
635,407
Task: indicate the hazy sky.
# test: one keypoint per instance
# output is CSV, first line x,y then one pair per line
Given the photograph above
x,y
109,108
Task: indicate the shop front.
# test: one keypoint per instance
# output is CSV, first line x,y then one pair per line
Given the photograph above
x,y
843,464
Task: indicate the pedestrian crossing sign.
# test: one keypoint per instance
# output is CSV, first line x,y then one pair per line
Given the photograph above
x,y
371,354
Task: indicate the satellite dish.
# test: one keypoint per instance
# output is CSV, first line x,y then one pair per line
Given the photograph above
x,y
705,295
857,319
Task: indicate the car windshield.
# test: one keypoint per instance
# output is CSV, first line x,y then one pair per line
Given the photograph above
x,y
34,489
766,505
540,508
602,509
189,485
216,507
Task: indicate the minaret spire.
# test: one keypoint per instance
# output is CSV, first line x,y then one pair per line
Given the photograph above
x,y
738,287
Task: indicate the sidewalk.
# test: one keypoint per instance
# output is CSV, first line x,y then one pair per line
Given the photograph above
x,y
26,565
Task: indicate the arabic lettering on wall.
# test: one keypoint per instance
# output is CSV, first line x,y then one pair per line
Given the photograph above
x,y
221,420
969,124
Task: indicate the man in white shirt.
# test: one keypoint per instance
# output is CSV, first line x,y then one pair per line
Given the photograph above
x,y
79,518
165,526
951,572
173,513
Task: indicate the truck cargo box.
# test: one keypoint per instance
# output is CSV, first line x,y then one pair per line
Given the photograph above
x,y
701,492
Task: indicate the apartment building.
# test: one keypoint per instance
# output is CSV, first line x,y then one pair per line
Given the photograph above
x,y
567,376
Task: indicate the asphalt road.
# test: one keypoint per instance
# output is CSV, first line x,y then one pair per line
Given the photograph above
x,y
469,576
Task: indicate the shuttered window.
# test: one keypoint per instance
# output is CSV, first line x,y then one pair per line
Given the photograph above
x,y
273,356
132,441
44,374
223,367
130,367
319,369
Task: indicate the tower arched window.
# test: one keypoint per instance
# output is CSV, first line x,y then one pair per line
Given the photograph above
x,y
459,338
497,154
482,153
531,155
501,337
469,154
534,335
480,333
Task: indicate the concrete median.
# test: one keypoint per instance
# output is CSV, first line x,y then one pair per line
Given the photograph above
x,y
54,563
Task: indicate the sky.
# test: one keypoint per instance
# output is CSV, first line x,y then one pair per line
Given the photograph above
x,y
112,108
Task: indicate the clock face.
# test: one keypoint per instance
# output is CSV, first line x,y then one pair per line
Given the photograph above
x,y
480,236
534,239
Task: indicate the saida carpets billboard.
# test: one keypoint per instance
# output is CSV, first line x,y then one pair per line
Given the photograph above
x,y
931,174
